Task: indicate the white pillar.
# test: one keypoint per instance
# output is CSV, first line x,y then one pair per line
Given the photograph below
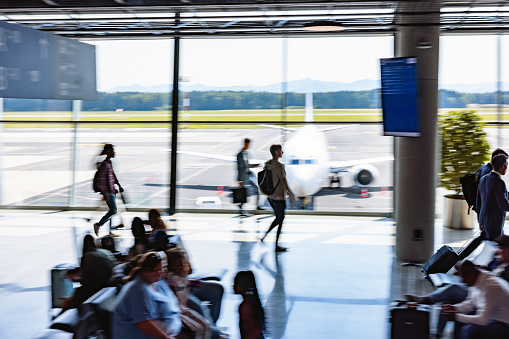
x,y
415,158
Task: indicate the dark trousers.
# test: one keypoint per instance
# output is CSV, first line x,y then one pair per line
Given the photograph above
x,y
279,207
494,330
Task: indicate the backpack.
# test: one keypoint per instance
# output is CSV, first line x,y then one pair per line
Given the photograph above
x,y
469,183
265,182
97,175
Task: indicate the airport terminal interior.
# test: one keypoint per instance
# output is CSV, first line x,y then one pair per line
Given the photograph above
x,y
177,86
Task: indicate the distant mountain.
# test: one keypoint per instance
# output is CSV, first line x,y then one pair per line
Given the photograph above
x,y
480,87
296,86
300,86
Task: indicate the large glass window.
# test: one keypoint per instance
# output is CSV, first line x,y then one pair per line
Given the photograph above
x,y
230,89
285,82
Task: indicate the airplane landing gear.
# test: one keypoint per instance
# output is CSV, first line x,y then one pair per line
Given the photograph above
x,y
304,203
334,178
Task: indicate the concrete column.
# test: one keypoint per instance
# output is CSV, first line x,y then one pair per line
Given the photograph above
x,y
415,158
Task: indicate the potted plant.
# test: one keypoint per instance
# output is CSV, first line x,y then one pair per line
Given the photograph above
x,y
464,150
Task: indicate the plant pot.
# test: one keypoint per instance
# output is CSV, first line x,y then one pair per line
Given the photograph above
x,y
456,214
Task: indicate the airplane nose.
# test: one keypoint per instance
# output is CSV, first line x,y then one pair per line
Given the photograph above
x,y
303,181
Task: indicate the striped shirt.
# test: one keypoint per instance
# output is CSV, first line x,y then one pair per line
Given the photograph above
x,y
107,177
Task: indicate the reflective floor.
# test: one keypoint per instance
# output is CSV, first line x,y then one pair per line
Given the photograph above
x,y
336,280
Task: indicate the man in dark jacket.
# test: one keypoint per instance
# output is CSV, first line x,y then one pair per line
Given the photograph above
x,y
244,175
492,197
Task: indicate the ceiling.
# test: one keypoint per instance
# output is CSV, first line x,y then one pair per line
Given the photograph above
x,y
100,19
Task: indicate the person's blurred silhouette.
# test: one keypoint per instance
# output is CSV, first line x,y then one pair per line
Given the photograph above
x,y
104,183
94,273
251,314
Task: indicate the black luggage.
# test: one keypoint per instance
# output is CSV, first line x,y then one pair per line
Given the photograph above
x,y
445,258
239,195
408,319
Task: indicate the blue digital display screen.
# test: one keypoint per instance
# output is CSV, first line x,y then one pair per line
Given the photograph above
x,y
400,97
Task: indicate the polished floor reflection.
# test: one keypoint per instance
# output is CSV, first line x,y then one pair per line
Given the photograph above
x,y
336,280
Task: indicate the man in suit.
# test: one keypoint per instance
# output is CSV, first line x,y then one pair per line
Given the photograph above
x,y
244,175
492,199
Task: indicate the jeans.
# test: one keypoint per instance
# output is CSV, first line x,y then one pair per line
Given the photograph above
x,y
112,205
448,294
279,207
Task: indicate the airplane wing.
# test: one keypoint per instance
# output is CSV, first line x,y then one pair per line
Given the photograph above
x,y
341,166
296,128
336,127
215,156
280,127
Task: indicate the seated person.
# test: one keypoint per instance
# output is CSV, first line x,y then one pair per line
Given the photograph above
x,y
485,312
456,293
178,269
94,273
160,241
108,243
154,220
146,307
140,238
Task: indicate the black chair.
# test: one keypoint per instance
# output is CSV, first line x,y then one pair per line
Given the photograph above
x,y
95,315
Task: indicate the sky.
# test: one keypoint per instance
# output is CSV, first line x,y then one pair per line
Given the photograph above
x,y
227,62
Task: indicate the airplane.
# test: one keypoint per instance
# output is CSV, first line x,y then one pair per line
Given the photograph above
x,y
307,160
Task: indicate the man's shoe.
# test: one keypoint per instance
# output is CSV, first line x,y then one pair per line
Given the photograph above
x,y
113,235
119,226
96,228
260,208
281,249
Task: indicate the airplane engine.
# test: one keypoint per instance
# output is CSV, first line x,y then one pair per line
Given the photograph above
x,y
364,175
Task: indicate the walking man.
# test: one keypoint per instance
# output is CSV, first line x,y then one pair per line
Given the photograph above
x,y
492,201
104,183
244,175
278,199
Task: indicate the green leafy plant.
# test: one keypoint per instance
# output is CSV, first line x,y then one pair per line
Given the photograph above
x,y
464,147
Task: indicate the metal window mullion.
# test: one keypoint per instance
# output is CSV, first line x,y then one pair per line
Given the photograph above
x,y
76,110
174,122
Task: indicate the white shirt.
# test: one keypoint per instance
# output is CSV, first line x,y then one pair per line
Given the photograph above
x,y
489,298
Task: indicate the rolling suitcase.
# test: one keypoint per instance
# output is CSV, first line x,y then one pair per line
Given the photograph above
x,y
445,258
239,195
409,320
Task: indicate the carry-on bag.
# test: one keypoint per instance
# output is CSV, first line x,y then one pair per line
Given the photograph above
x,y
61,286
445,258
239,195
408,319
